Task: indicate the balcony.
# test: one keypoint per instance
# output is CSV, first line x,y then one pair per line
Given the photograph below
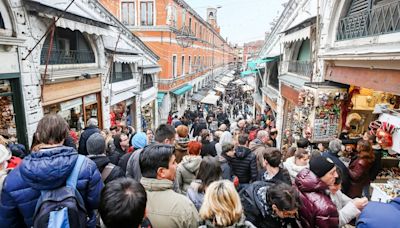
x,y
303,68
67,57
121,76
382,19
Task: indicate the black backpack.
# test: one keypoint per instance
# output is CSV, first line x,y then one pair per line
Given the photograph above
x,y
62,207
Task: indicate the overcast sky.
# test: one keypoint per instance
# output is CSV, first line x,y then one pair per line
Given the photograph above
x,y
241,20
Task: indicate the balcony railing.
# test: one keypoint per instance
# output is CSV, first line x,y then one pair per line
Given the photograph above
x,y
121,76
67,57
146,86
303,68
380,20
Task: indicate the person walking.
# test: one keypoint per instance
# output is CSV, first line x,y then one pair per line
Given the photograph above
x,y
187,170
92,127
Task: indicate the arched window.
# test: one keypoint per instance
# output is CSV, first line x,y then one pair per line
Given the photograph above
x,y
304,51
69,47
2,25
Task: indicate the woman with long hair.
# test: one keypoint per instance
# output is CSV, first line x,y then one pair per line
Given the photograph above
x,y
222,207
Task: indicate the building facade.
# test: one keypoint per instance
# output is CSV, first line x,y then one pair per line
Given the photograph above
x,y
187,65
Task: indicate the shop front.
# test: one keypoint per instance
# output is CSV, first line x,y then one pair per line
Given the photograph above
x,y
148,108
123,113
76,101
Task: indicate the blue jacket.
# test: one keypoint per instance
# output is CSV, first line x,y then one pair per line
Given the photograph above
x,y
376,215
44,170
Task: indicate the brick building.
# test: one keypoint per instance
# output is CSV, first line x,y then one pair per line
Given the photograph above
x,y
161,24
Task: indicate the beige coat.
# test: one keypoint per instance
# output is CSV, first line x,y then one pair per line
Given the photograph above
x,y
166,208
186,172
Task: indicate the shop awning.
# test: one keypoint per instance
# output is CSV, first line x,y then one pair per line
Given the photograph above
x,y
292,80
225,80
110,43
160,98
53,74
148,96
182,90
239,82
248,72
299,35
210,99
246,88
127,58
220,89
253,64
151,69
197,97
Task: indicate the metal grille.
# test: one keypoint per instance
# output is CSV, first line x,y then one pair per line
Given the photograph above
x,y
380,20
121,76
303,68
67,57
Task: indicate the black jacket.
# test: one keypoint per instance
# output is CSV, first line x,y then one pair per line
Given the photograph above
x,y
281,177
101,162
208,148
123,161
87,132
115,155
244,165
198,127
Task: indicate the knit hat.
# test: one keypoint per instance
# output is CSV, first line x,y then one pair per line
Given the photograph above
x,y
139,140
5,154
335,145
96,144
320,165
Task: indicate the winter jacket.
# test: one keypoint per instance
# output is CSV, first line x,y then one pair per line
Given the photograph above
x,y
256,208
359,176
194,195
197,127
133,167
227,173
377,215
317,208
208,148
186,172
115,155
43,170
242,223
166,208
293,168
181,149
281,177
87,132
347,210
243,164
345,171
101,162
258,147
123,161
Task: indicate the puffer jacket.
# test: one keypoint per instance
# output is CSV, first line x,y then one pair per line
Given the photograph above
x,y
257,146
186,172
242,223
194,195
244,165
181,149
317,208
44,170
166,208
101,162
359,176
292,168
87,132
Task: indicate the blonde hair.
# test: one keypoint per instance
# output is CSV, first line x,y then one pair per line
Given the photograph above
x,y
221,204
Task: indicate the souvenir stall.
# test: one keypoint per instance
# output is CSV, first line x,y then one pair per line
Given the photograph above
x,y
123,113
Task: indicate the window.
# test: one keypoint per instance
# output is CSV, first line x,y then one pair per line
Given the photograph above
x,y
128,13
190,24
174,66
195,29
190,64
2,25
146,13
183,65
304,51
183,17
147,82
121,72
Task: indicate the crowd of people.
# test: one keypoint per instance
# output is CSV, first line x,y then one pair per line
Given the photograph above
x,y
186,174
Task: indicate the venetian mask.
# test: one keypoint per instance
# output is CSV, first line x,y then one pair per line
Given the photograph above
x,y
384,138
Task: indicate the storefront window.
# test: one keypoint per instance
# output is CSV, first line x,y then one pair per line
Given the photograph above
x,y
72,111
148,116
123,113
8,126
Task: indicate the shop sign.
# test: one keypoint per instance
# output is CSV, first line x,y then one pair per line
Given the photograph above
x,y
64,106
90,99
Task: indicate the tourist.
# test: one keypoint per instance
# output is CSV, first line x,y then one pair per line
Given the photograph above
x,y
187,170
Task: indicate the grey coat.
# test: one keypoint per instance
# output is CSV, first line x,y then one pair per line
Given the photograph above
x,y
186,172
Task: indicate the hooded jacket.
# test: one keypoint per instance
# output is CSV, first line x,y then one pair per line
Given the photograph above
x,y
186,172
317,208
208,148
293,169
359,175
181,149
87,132
166,208
46,169
257,146
243,164
101,162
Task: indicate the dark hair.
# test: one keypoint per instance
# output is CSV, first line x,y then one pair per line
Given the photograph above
x,y
284,196
227,147
209,171
289,153
123,203
338,179
204,134
117,140
300,153
113,128
243,139
153,157
163,132
303,143
273,157
52,129
365,150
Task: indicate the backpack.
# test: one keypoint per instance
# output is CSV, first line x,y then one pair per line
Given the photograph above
x,y
107,171
62,207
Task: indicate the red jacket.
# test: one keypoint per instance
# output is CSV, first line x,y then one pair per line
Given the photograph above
x,y
359,176
317,209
